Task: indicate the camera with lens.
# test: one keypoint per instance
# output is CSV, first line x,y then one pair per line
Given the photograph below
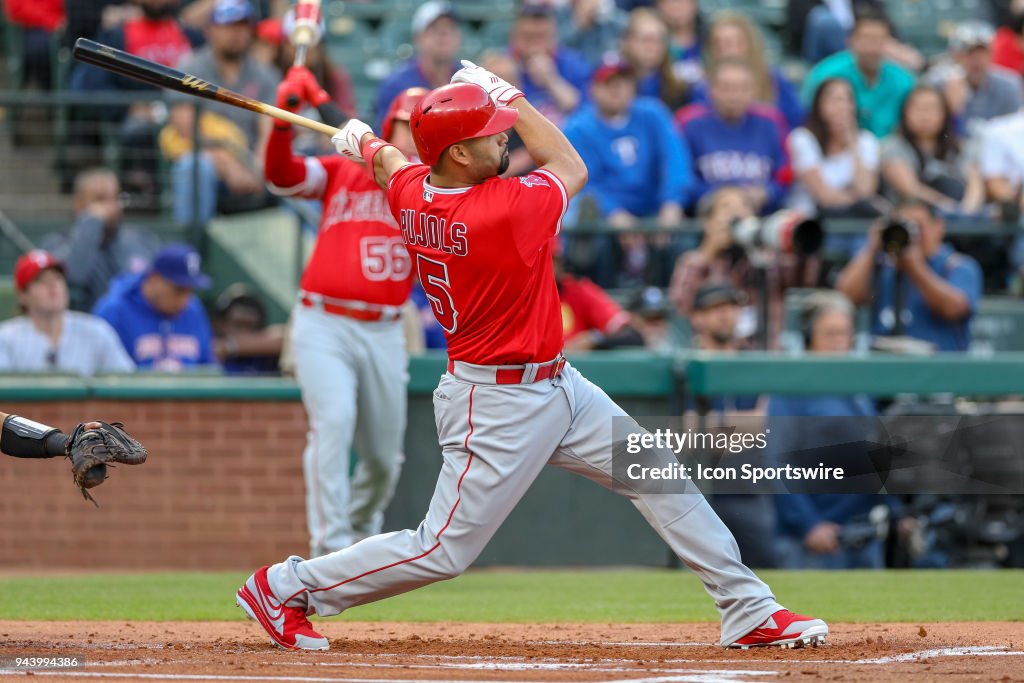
x,y
897,235
787,231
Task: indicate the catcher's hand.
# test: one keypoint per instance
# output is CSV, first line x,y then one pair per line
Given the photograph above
x,y
92,445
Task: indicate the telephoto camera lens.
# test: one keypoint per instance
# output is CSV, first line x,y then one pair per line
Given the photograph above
x,y
897,235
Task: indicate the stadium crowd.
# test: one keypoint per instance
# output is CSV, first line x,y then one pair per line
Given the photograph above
x,y
680,113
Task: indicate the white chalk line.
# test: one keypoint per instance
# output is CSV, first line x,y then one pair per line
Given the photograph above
x,y
977,650
696,676
484,663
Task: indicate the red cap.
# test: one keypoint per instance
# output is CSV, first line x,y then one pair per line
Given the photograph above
x,y
453,113
271,31
30,264
613,68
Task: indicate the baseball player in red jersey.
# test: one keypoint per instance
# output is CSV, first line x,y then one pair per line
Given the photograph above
x,y
349,348
509,403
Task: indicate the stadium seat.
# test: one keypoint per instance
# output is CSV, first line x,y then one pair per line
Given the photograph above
x,y
998,325
926,24
769,14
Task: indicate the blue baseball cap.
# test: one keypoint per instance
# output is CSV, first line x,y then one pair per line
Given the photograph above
x,y
179,263
231,12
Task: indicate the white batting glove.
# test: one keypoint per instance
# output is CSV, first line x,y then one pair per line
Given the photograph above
x,y
501,91
347,140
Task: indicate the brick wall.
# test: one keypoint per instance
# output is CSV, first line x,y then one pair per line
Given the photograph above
x,y
222,489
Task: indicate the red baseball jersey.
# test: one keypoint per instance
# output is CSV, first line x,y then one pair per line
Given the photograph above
x,y
585,307
359,253
483,254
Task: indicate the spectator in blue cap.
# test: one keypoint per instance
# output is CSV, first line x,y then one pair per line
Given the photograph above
x,y
161,323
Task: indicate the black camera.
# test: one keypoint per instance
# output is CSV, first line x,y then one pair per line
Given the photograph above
x,y
897,235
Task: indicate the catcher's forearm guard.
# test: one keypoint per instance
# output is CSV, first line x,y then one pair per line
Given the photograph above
x,y
23,438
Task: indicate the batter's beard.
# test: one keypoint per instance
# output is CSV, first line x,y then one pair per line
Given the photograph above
x,y
503,164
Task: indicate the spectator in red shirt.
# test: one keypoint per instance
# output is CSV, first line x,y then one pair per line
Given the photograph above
x,y
158,36
1008,45
38,20
591,319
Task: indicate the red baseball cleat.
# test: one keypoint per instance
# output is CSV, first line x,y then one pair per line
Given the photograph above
x,y
785,629
288,626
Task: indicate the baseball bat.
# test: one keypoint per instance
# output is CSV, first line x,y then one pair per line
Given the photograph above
x,y
139,69
303,25
305,31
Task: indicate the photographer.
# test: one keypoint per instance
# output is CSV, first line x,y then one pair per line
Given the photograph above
x,y
719,258
919,286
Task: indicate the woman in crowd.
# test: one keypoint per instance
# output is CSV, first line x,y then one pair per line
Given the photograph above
x,y
925,159
685,31
732,35
835,161
645,47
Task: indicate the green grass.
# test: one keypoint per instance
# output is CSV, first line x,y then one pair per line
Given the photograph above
x,y
539,596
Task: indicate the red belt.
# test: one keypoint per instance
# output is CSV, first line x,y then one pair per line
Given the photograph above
x,y
498,374
363,314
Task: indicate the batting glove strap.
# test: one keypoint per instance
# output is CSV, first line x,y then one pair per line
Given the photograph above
x,y
346,140
370,150
506,96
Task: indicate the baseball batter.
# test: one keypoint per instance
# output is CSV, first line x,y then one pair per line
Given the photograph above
x,y
509,403
350,358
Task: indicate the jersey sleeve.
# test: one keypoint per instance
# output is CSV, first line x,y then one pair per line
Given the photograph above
x,y
291,175
536,203
965,275
398,183
804,150
869,150
603,314
6,364
113,357
993,158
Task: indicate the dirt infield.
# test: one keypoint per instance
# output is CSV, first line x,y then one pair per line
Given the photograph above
x,y
387,652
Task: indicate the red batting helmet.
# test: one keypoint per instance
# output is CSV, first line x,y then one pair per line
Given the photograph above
x,y
453,113
401,109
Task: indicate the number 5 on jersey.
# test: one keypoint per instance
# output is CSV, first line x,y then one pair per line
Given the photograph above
x,y
434,278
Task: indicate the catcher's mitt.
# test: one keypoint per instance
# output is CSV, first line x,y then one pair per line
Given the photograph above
x,y
91,449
